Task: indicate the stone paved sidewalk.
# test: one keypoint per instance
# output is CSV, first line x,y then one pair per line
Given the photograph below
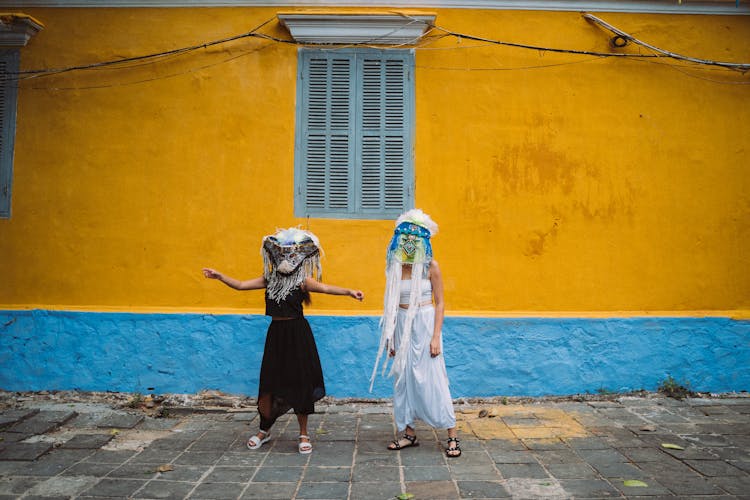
x,y
534,449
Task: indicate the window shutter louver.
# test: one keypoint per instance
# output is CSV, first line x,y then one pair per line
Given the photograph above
x,y
373,173
4,188
8,91
384,128
328,145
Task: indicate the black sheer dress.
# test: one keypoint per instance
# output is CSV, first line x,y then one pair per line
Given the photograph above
x,y
290,372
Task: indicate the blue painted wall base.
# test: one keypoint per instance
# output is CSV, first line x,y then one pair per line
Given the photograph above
x,y
186,353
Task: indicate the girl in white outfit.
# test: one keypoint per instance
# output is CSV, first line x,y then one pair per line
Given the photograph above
x,y
411,330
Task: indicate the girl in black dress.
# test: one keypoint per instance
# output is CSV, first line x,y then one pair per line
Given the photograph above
x,y
291,376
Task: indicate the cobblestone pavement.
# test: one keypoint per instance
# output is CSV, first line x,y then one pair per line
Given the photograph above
x,y
694,448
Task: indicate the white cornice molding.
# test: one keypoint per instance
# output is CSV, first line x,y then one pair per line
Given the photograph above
x,y
381,29
17,29
718,7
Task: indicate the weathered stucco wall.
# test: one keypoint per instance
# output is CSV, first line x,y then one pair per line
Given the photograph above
x,y
186,353
594,212
561,182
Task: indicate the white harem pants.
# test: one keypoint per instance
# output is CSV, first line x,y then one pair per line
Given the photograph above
x,y
422,390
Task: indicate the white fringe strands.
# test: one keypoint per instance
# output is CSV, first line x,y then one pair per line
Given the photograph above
x,y
279,285
390,317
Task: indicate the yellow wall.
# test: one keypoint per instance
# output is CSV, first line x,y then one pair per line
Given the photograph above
x,y
560,182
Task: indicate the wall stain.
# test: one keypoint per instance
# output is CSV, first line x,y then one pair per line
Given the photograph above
x,y
536,244
523,170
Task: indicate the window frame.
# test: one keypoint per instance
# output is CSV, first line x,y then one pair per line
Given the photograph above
x,y
355,208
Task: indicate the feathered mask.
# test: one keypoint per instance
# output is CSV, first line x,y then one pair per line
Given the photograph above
x,y
411,238
410,244
289,256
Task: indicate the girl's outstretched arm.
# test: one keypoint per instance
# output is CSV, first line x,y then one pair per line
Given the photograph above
x,y
251,284
312,285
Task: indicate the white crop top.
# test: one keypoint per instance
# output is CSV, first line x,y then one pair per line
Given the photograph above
x,y
405,291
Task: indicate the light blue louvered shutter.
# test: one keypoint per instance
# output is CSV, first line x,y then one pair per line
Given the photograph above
x,y
325,152
8,91
353,155
384,134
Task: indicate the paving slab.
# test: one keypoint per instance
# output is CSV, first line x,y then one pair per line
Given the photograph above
x,y
12,437
522,487
375,491
740,464
61,486
323,490
730,453
619,470
374,473
711,468
278,474
10,417
474,472
427,473
572,471
24,451
690,485
155,456
652,488
599,457
513,457
134,471
88,441
17,485
557,456
218,490
186,473
170,490
482,489
588,488
533,471
32,426
57,416
433,489
735,485
120,421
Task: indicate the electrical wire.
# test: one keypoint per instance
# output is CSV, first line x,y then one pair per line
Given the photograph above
x,y
660,53
665,53
45,72
162,77
682,70
513,68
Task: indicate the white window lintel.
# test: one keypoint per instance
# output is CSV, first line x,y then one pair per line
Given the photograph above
x,y
376,29
17,29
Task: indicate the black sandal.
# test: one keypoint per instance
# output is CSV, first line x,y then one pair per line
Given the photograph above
x,y
397,445
450,451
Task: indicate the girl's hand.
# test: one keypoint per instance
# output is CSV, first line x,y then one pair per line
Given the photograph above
x,y
357,294
434,347
210,273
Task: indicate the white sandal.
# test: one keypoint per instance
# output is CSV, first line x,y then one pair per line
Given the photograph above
x,y
304,447
255,442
